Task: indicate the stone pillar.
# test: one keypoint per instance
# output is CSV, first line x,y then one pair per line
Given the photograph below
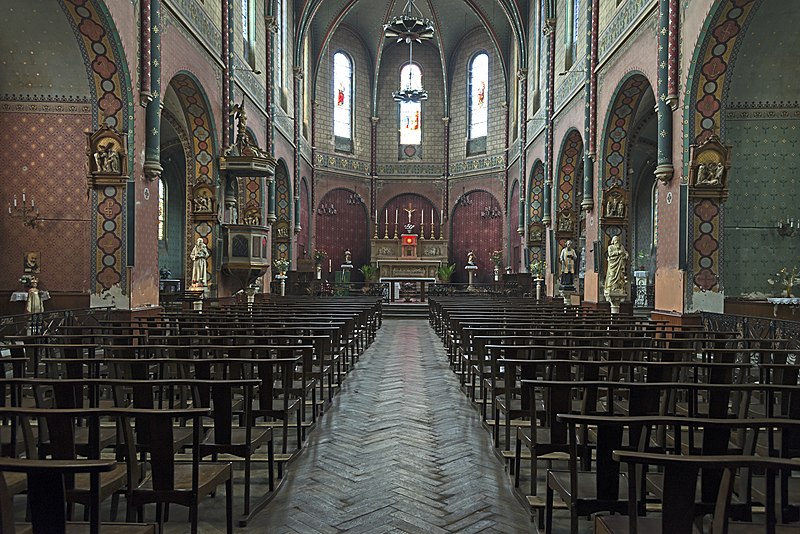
x,y
272,28
271,217
549,98
522,75
587,204
152,147
446,176
664,169
144,52
227,79
298,117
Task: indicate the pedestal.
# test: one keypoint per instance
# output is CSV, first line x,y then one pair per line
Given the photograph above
x,y
615,299
566,293
471,270
538,282
282,279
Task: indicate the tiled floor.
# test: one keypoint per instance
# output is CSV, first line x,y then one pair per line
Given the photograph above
x,y
399,450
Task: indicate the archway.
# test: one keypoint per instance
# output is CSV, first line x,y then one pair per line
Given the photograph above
x,y
536,229
188,102
739,90
477,225
303,237
341,224
282,227
568,194
175,154
514,240
627,193
424,212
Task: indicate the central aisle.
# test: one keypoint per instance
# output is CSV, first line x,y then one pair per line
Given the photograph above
x,y
400,450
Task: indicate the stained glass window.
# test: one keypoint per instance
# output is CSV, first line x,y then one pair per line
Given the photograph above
x,y
410,112
342,96
478,96
248,33
162,208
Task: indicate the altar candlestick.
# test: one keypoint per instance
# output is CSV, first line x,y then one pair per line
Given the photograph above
x,y
330,265
441,215
395,216
23,195
15,201
422,214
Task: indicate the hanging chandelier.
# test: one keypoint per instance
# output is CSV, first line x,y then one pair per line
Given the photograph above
x,y
409,27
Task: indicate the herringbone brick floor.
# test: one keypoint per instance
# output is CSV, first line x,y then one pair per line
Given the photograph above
x,y
400,450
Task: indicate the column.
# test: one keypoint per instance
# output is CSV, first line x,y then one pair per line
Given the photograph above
x,y
664,169
152,148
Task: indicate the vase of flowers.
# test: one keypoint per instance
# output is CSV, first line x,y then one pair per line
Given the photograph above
x,y
496,257
537,270
785,278
281,266
319,257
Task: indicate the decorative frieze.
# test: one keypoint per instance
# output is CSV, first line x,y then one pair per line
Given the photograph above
x,y
621,24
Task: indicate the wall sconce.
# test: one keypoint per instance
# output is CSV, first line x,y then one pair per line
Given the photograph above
x,y
788,227
29,215
491,213
464,200
326,210
355,198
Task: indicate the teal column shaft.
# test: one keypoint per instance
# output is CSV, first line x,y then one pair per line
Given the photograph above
x,y
271,202
664,109
152,153
588,169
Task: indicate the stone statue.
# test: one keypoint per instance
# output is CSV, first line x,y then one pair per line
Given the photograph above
x,y
199,255
565,222
107,159
709,174
348,257
34,303
568,257
202,203
615,207
470,258
616,271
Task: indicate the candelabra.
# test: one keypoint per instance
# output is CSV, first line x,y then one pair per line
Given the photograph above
x,y
29,215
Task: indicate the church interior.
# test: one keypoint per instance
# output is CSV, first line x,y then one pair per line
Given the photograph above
x,y
399,266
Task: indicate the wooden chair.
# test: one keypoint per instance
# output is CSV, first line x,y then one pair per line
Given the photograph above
x,y
678,515
46,497
171,481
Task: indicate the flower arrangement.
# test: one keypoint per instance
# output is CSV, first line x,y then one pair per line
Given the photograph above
x,y
27,280
496,257
537,268
787,279
280,265
319,256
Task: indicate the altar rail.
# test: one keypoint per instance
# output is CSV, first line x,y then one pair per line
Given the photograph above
x,y
750,327
48,321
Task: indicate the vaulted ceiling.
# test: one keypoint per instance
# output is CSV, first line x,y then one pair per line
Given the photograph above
x,y
503,20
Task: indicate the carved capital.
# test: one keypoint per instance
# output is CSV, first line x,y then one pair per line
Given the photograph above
x,y
152,171
374,120
446,120
272,23
664,173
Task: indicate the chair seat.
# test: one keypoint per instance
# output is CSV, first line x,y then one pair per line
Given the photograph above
x,y
238,439
211,475
618,524
83,528
110,482
587,488
16,482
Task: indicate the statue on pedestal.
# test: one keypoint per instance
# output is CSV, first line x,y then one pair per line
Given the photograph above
x,y
470,258
348,257
568,257
616,270
34,303
199,255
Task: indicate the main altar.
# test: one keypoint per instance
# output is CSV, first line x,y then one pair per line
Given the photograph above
x,y
408,254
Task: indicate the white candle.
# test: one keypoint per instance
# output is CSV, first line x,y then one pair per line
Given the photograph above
x,y
23,195
422,213
9,208
441,215
376,216
330,265
15,201
386,217
32,202
395,216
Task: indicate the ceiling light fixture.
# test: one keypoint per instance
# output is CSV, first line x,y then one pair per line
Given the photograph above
x,y
409,27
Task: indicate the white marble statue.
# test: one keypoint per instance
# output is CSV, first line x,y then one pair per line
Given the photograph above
x,y
34,303
567,258
199,255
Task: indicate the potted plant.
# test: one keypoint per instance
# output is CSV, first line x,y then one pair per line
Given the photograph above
x,y
445,272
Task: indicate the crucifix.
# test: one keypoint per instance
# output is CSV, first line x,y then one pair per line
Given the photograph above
x,y
409,210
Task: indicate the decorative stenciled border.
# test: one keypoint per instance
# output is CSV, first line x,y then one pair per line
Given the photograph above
x,y
111,105
568,164
536,193
626,15
195,14
332,161
478,164
53,107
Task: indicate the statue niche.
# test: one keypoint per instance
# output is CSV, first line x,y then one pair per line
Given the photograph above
x,y
203,203
614,205
107,157
709,163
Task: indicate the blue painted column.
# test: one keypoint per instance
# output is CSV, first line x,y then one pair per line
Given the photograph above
x,y
664,169
152,147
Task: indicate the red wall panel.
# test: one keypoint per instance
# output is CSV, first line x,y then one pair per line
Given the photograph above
x,y
472,231
346,229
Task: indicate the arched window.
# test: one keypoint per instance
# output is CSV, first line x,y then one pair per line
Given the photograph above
x,y
411,112
478,103
249,32
343,101
278,47
571,27
162,209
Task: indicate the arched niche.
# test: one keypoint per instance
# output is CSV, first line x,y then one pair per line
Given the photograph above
x,y
423,209
473,226
340,224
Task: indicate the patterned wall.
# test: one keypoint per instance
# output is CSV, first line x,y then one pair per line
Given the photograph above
x,y
283,203
303,240
471,231
419,204
346,229
536,193
44,153
570,162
